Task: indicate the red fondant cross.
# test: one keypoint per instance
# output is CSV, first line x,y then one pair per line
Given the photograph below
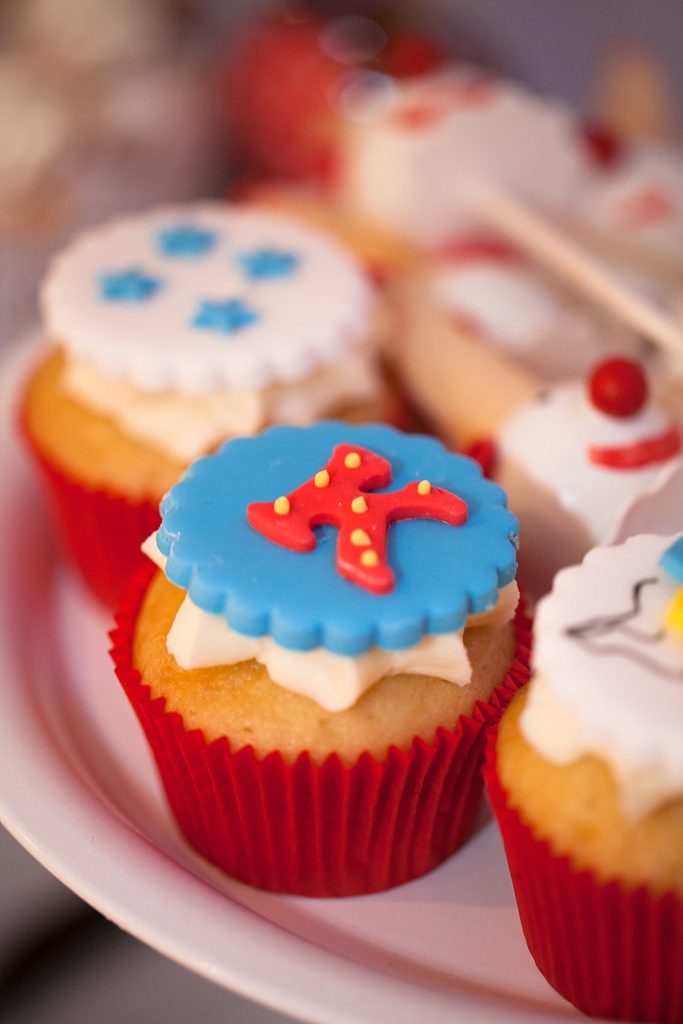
x,y
337,496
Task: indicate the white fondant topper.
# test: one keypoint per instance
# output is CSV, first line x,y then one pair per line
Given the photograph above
x,y
574,465
553,438
609,671
206,296
493,291
411,169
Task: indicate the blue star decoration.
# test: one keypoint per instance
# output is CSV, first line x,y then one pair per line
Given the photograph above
x,y
226,317
261,264
185,240
131,285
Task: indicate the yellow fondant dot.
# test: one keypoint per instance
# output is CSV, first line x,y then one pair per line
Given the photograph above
x,y
424,487
674,613
281,506
369,558
352,460
359,504
360,539
322,478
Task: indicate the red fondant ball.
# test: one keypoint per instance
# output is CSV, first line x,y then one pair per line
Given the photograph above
x,y
618,387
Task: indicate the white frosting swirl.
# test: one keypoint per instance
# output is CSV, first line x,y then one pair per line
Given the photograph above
x,y
306,319
550,440
199,639
609,672
186,426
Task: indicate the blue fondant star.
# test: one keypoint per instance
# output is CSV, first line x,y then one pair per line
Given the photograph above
x,y
227,317
185,240
130,285
672,560
260,264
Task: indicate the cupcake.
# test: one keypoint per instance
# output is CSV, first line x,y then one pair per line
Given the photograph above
x,y
331,630
586,781
579,458
409,161
171,331
482,330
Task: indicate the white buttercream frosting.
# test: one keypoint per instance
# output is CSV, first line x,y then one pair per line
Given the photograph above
x,y
550,440
186,426
609,672
303,320
199,639
413,174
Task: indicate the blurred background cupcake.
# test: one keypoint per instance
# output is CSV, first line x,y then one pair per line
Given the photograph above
x,y
171,331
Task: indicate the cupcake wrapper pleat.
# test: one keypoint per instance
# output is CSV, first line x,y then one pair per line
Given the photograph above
x,y
317,829
100,532
612,952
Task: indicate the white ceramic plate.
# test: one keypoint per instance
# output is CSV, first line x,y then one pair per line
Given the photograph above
x,y
79,790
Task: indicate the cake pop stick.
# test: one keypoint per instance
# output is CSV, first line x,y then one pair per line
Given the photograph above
x,y
542,240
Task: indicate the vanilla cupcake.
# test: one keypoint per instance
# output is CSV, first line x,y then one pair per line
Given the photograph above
x,y
333,626
586,781
582,460
171,331
482,331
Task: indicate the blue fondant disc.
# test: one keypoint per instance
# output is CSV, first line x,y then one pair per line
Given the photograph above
x,y
443,573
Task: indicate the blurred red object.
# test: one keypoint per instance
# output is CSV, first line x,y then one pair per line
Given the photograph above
x,y
278,87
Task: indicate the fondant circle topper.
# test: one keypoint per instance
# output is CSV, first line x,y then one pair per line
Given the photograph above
x,y
445,565
203,296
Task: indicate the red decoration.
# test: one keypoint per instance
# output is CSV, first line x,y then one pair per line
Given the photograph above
x,y
618,387
484,451
640,453
650,205
605,148
407,55
337,496
479,249
444,99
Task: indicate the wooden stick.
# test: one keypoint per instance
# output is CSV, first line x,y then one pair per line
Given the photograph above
x,y
546,243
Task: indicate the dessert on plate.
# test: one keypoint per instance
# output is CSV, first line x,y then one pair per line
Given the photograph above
x,y
481,330
586,781
333,626
174,329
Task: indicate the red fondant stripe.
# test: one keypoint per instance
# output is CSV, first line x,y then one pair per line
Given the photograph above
x,y
642,453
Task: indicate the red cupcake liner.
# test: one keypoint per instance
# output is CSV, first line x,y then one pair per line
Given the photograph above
x,y
611,951
101,532
317,829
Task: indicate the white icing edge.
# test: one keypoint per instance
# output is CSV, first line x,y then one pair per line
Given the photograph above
x,y
310,320
581,703
199,639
